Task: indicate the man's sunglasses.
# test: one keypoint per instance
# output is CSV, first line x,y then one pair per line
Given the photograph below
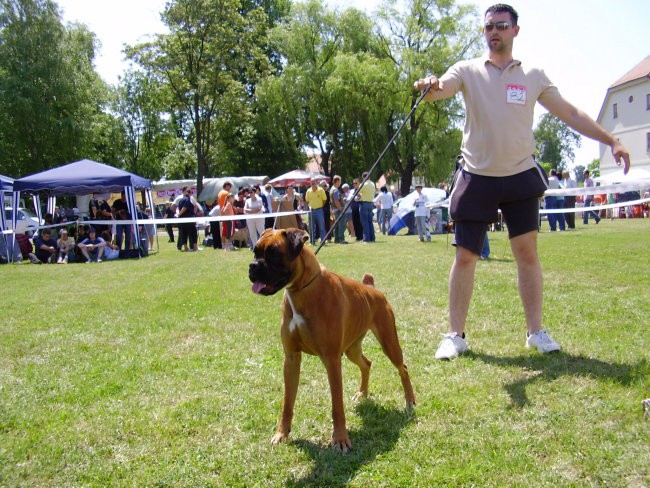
x,y
501,26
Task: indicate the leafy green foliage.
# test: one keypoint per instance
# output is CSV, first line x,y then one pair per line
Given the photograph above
x,y
147,134
211,54
555,142
50,96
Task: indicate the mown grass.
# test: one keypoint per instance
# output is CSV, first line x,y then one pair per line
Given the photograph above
x,y
167,371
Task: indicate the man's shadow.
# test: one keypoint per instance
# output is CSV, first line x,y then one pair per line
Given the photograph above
x,y
379,434
549,367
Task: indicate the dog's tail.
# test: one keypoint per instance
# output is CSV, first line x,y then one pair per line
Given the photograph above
x,y
368,279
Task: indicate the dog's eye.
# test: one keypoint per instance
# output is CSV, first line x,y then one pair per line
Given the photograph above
x,y
271,252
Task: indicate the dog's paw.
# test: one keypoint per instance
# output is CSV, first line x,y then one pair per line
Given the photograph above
x,y
359,396
279,437
341,443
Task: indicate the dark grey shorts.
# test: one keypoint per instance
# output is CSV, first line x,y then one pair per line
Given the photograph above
x,y
475,202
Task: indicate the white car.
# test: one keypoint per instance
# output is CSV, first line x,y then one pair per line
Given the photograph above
x,y
26,221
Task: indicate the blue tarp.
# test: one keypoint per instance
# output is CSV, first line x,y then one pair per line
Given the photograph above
x,y
80,178
6,183
404,213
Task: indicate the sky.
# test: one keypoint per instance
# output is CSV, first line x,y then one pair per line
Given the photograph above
x,y
583,46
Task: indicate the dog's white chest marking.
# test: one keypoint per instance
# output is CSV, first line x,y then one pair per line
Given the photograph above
x,y
297,320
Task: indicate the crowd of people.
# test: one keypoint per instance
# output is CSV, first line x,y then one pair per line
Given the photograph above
x,y
565,217
357,215
82,244
62,239
356,211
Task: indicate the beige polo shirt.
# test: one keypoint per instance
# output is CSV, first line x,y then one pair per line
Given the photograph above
x,y
498,134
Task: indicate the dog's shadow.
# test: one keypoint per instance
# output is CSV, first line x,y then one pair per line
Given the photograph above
x,y
379,434
549,367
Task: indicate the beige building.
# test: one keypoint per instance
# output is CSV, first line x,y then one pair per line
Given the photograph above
x,y
626,114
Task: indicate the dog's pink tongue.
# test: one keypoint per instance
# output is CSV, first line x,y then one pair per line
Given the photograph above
x,y
258,286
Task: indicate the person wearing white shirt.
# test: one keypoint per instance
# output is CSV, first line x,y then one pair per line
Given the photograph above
x,y
215,227
569,200
554,202
254,205
385,202
421,213
589,183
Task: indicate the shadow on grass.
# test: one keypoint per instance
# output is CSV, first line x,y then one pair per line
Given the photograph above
x,y
549,367
379,434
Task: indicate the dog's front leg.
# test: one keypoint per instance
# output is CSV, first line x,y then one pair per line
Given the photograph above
x,y
340,439
291,378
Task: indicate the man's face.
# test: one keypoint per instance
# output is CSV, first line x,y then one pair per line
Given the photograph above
x,y
499,40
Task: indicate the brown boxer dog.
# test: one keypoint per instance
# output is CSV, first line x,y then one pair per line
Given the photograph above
x,y
326,315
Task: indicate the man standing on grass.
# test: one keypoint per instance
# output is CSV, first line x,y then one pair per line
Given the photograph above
x,y
589,183
366,206
316,198
498,169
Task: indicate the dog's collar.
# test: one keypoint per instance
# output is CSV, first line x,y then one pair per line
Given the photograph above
x,y
308,283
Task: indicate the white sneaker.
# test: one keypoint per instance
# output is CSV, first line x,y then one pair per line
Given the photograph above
x,y
451,346
542,341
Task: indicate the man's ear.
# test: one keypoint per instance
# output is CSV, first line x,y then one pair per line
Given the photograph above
x,y
296,239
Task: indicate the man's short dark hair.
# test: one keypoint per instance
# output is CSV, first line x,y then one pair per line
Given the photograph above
x,y
502,7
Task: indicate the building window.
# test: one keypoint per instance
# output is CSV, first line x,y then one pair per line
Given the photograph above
x,y
647,101
647,142
630,99
616,110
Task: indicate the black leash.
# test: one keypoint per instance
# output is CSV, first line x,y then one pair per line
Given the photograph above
x,y
381,156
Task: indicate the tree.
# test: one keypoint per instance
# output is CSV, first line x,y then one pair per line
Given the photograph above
x,y
208,60
555,142
594,168
146,132
420,37
346,86
50,96
315,102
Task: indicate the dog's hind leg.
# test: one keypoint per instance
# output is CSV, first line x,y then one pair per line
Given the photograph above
x,y
387,337
355,354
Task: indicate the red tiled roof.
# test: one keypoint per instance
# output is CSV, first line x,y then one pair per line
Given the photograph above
x,y
641,70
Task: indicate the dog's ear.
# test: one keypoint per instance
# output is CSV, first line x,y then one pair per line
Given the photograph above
x,y
297,239
267,231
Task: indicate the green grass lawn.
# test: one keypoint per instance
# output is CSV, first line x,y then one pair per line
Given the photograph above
x,y
167,371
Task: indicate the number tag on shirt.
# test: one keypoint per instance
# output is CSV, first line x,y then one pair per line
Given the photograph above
x,y
516,94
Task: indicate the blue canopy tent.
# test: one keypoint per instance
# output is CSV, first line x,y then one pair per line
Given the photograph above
x,y
6,186
82,178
